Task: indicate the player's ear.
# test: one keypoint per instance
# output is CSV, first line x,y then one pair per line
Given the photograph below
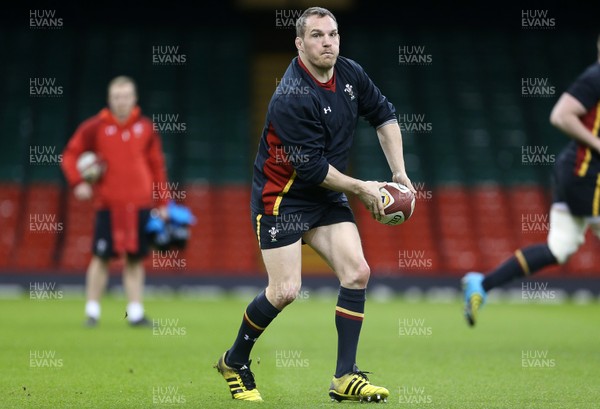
x,y
299,44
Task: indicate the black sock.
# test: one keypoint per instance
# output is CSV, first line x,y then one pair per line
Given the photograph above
x,y
523,263
258,315
349,314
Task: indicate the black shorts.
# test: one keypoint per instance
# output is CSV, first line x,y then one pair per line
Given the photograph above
x,y
284,229
102,246
579,193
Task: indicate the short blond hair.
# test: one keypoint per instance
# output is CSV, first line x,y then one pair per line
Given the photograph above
x,y
312,11
121,80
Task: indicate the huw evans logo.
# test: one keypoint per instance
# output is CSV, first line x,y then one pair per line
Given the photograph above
x,y
414,123
44,155
44,87
168,191
167,55
414,260
414,395
45,223
290,359
286,18
423,193
536,359
537,19
291,222
291,86
536,155
44,19
168,327
44,291
168,259
413,55
168,123
167,395
413,327
537,291
44,359
537,87
535,223
286,155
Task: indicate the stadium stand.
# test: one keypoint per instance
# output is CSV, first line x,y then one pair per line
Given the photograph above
x,y
476,198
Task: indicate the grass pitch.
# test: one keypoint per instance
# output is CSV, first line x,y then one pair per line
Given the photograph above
x,y
519,356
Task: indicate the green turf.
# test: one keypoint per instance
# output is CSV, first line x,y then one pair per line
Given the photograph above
x,y
447,366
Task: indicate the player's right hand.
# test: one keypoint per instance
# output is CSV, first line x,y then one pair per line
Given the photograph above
x,y
371,198
83,191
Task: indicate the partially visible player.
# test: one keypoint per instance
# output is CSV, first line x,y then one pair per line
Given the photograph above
x,y
299,175
576,193
135,167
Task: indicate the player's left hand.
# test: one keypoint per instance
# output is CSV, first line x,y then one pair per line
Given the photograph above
x,y
162,212
83,191
402,178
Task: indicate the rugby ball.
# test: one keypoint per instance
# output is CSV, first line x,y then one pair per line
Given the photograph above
x,y
90,166
398,203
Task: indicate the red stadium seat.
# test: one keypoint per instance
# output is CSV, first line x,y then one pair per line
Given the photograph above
x,y
496,236
399,250
457,229
10,211
530,206
235,248
586,262
79,230
222,240
459,248
39,229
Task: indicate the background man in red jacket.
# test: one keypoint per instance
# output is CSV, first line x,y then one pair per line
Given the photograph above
x,y
124,195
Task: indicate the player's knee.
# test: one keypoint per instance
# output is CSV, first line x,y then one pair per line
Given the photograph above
x,y
357,276
99,263
134,259
566,235
284,293
562,247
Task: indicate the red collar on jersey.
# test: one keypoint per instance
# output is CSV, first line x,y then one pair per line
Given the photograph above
x,y
329,85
